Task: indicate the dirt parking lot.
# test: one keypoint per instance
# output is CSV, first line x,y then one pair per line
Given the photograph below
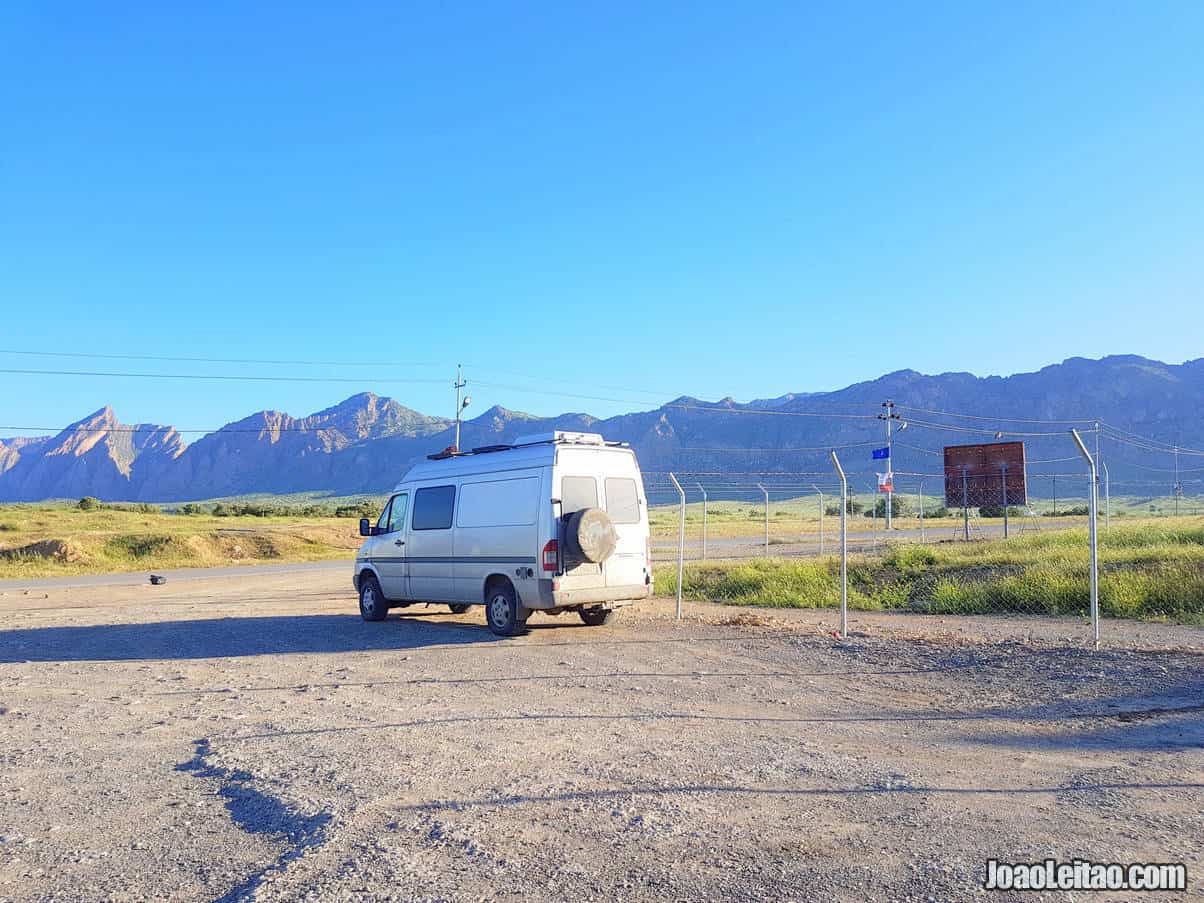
x,y
243,738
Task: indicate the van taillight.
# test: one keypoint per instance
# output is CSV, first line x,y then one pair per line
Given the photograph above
x,y
551,555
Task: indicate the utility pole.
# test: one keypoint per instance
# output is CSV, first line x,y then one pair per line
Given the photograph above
x,y
1107,498
704,521
460,406
889,416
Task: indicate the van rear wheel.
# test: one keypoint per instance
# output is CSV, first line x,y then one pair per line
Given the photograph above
x,y
506,617
595,617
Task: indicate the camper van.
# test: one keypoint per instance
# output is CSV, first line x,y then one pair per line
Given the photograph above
x,y
552,523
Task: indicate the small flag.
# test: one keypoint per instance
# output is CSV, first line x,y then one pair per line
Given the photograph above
x,y
886,482
881,454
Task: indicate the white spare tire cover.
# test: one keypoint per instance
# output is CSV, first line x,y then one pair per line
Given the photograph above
x,y
590,534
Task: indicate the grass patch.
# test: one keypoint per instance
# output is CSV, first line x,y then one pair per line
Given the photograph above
x,y
1152,570
49,540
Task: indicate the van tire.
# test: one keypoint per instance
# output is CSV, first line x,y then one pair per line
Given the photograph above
x,y
595,617
373,606
590,534
503,612
458,608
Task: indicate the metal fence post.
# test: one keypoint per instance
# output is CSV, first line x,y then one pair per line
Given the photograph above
x,y
1003,479
704,521
1091,524
1107,497
965,507
766,491
821,517
681,541
844,549
920,502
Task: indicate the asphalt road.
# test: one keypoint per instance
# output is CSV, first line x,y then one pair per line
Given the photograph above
x,y
134,578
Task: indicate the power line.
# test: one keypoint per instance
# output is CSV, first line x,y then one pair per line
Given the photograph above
x,y
1153,445
924,424
987,419
752,449
218,376
299,363
206,360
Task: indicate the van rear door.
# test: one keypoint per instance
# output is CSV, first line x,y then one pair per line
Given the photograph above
x,y
624,501
609,479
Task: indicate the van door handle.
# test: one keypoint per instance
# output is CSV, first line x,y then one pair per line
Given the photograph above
x,y
400,542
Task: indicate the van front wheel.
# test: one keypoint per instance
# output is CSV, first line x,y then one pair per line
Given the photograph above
x,y
505,615
373,606
595,617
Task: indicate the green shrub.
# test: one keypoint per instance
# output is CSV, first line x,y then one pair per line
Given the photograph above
x,y
997,511
898,507
89,503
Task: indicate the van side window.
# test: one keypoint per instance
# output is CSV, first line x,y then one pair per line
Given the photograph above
x,y
433,508
622,501
577,493
397,514
382,522
498,503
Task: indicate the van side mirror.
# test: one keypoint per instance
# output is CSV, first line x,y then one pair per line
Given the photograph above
x,y
365,527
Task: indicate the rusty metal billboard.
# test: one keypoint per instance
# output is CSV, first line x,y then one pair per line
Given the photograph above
x,y
990,474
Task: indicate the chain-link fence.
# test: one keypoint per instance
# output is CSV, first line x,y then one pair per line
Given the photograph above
x,y
953,544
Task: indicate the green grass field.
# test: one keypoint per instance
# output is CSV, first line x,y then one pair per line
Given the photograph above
x,y
800,516
1153,569
59,539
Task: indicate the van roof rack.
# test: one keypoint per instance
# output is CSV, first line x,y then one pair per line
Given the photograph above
x,y
565,437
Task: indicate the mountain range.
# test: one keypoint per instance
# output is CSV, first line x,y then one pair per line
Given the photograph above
x,y
365,443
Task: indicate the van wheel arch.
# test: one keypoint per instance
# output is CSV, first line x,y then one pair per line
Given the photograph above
x,y
364,572
493,581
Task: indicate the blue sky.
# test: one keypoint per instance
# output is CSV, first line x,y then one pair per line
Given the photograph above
x,y
712,199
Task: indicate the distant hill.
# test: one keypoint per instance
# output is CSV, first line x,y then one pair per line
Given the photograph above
x,y
365,443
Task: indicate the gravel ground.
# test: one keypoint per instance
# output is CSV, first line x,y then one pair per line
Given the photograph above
x,y
250,738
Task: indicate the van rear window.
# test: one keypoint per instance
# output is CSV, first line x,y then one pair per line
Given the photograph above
x,y
622,501
433,508
577,493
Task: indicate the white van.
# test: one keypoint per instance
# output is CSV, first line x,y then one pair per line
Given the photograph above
x,y
552,523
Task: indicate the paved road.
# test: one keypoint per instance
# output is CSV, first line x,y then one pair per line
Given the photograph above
x,y
134,578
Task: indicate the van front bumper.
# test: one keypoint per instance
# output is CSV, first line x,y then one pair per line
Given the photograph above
x,y
611,596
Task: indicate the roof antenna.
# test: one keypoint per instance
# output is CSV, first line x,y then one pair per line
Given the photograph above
x,y
460,405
